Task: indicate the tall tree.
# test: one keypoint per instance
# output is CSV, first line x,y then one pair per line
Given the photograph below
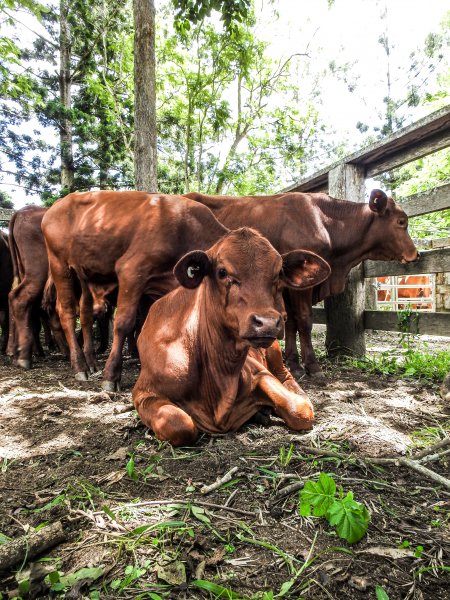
x,y
86,99
145,95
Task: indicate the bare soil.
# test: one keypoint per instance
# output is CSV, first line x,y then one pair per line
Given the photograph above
x,y
72,453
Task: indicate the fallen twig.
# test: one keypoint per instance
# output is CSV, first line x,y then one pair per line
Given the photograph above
x,y
213,486
428,473
289,489
433,457
400,460
430,449
183,503
22,549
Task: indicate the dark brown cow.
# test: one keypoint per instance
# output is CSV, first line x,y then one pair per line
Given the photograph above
x,y
344,233
30,264
127,239
208,350
6,279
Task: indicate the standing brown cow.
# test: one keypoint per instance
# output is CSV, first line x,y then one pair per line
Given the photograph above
x,y
344,233
127,239
6,279
208,350
30,263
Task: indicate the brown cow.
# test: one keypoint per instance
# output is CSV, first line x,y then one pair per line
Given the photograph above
x,y
344,233
30,264
6,279
208,350
421,289
127,239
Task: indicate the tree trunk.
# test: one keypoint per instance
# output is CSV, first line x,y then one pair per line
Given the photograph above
x,y
65,83
345,312
144,96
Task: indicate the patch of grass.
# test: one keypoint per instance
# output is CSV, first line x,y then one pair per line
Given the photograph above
x,y
418,364
430,435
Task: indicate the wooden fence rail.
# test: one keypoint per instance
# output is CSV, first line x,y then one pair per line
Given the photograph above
x,y
345,314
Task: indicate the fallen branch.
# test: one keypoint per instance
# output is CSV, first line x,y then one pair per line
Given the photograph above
x,y
430,449
433,457
289,489
428,473
21,550
400,460
194,502
227,477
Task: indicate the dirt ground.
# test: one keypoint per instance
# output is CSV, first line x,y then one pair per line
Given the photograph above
x,y
134,516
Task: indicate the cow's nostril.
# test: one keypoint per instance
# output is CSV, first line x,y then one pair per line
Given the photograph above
x,y
257,321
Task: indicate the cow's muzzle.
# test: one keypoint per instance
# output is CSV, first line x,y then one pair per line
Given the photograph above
x,y
262,330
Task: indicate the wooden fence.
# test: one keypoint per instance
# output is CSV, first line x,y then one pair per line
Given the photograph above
x,y
345,315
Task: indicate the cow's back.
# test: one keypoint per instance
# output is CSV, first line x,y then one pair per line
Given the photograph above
x,y
98,229
289,221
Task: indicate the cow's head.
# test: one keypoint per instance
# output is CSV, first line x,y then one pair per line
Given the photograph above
x,y
389,233
243,276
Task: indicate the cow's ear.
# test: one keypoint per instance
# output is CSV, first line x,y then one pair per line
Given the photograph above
x,y
191,268
303,269
378,201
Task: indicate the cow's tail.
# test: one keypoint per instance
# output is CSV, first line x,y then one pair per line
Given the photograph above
x,y
49,295
14,251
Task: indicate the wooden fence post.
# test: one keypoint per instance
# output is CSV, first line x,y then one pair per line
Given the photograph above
x,y
345,312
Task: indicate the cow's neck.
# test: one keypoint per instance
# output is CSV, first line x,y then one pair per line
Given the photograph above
x,y
221,359
348,225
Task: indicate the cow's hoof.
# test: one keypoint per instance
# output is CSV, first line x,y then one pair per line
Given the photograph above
x,y
24,363
110,386
81,376
297,371
318,377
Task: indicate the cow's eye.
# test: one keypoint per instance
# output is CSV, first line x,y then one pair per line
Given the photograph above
x,y
222,273
402,222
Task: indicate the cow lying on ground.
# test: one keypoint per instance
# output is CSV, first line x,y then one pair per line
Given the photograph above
x,y
344,233
208,350
30,264
6,279
129,240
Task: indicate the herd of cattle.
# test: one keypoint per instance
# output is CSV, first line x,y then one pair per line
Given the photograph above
x,y
224,277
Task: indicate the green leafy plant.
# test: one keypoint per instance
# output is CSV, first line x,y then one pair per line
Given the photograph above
x,y
350,518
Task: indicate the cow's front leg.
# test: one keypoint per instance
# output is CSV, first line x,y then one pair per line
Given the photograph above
x,y
168,421
279,390
125,319
301,306
293,407
290,346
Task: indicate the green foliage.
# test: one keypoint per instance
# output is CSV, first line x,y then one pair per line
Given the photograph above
x,y
350,518
218,591
380,593
101,116
193,11
5,200
220,128
59,582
